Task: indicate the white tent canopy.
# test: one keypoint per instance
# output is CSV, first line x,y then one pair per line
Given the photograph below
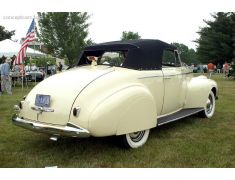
x,y
9,48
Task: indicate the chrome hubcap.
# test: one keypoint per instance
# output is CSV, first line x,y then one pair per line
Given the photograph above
x,y
209,105
137,136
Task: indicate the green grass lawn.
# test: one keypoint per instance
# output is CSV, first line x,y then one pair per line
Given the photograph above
x,y
190,142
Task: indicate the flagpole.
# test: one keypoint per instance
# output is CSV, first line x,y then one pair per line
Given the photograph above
x,y
24,71
22,75
34,51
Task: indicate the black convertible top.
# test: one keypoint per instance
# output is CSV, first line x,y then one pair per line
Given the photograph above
x,y
144,54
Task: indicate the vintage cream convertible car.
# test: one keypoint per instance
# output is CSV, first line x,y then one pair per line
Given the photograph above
x,y
117,89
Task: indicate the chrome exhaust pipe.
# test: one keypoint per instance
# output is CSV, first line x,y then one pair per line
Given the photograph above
x,y
54,138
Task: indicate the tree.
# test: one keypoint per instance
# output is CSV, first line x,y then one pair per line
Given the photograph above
x,y
64,33
129,35
187,55
217,40
4,34
232,71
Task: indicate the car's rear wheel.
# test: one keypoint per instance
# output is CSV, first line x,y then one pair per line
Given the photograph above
x,y
209,108
135,139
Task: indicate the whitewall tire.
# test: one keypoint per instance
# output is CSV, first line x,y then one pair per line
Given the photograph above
x,y
209,108
136,139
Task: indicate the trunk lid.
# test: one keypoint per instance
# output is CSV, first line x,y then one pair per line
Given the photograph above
x,y
63,89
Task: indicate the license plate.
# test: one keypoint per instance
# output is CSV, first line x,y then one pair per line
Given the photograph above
x,y
42,100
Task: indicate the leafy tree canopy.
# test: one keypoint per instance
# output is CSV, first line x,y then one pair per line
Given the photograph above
x,y
129,35
217,40
5,34
187,55
65,34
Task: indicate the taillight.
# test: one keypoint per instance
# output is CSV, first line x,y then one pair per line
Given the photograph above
x,y
76,111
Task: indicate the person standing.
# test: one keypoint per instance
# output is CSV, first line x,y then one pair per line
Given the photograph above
x,y
0,79
225,68
200,68
16,75
60,67
5,76
210,68
27,68
218,70
34,67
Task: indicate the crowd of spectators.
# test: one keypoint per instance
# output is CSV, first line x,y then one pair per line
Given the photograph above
x,y
10,74
213,68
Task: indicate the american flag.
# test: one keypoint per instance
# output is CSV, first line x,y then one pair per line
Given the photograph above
x,y
30,36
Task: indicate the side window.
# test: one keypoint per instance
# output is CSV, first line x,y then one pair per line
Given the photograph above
x,y
170,58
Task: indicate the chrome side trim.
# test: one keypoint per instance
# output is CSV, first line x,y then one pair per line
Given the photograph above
x,y
149,77
170,75
180,117
68,130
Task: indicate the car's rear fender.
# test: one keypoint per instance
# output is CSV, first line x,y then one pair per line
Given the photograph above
x,y
128,110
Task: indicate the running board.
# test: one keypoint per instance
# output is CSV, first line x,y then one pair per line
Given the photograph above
x,y
178,115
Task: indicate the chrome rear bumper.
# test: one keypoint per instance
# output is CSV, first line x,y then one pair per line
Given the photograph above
x,y
69,130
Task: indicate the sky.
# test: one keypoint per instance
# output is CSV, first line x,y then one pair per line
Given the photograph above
x,y
167,27
170,21
108,26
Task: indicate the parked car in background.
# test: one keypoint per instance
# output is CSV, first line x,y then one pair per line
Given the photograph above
x,y
35,75
121,89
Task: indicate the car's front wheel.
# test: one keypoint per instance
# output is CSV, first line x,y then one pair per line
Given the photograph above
x,y
135,139
209,108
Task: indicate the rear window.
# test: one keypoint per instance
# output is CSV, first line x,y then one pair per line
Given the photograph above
x,y
112,58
